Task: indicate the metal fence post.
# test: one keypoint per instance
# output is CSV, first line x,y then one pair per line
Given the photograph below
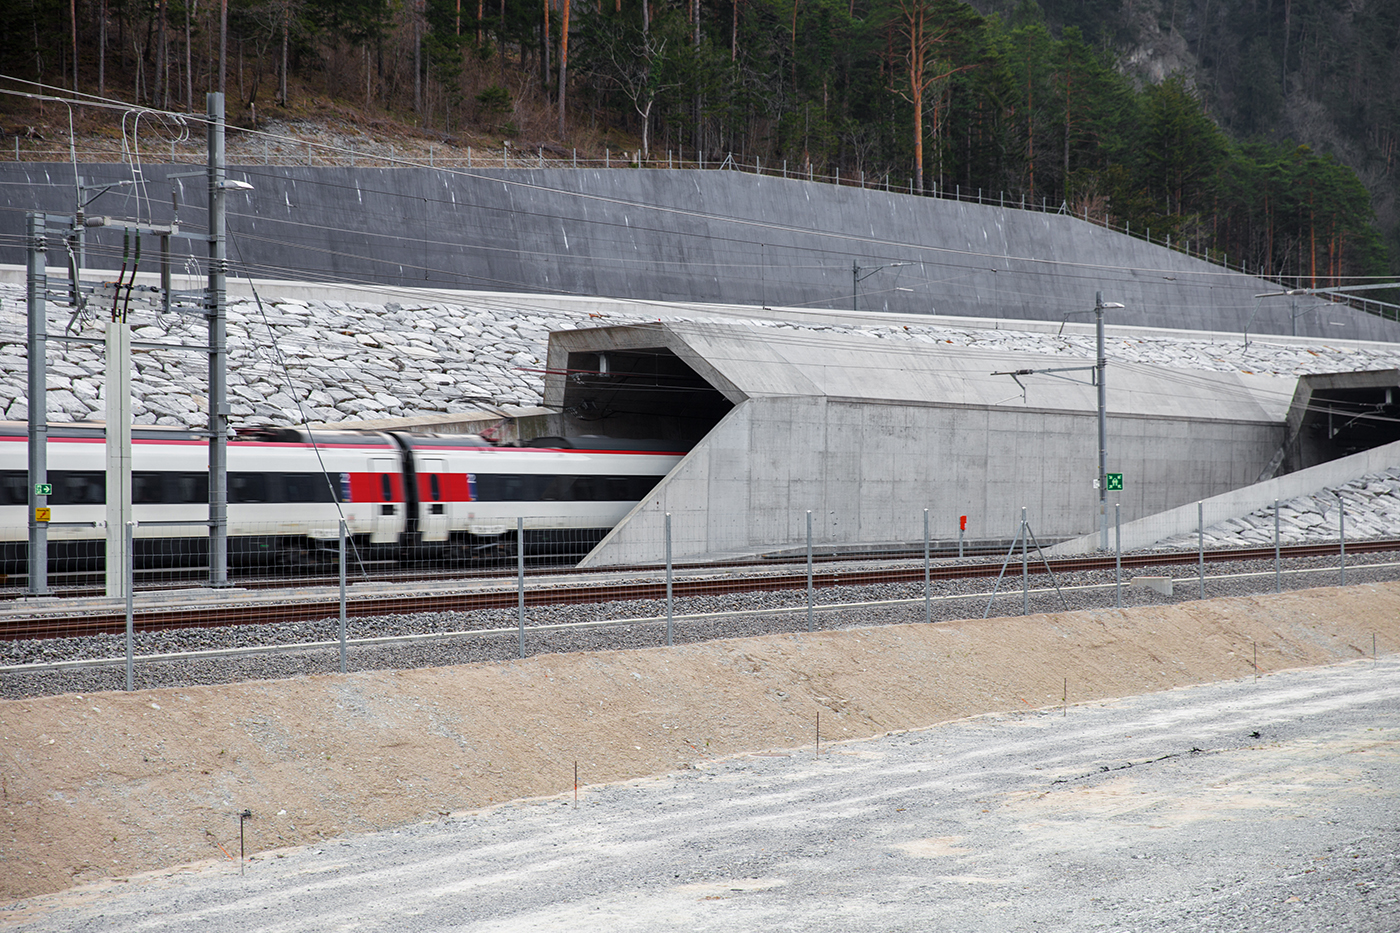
x,y
1342,530
130,614
342,596
1201,544
1278,572
520,578
1025,569
809,570
928,605
669,603
1118,558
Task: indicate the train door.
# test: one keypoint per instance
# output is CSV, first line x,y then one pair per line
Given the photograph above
x,y
432,520
388,513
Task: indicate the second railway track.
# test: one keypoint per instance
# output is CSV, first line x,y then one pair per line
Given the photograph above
x,y
48,620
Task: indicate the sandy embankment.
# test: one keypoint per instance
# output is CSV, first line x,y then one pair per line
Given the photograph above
x,y
108,784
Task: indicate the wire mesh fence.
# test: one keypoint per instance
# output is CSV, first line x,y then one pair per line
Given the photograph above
x,y
333,594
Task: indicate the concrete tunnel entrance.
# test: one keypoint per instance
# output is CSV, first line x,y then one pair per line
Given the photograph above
x,y
645,392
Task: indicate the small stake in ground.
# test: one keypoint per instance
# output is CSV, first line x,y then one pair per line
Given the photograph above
x,y
819,733
1064,701
575,784
245,815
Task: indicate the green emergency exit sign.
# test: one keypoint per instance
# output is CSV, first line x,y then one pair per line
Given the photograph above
x,y
43,489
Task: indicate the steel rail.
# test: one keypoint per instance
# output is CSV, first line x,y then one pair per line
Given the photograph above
x,y
228,614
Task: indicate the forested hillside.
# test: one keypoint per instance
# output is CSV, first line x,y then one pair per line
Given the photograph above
x,y
1266,129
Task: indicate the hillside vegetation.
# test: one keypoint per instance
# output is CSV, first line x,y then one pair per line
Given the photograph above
x,y
1263,130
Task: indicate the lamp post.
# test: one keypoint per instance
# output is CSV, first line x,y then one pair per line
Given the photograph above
x,y
1100,368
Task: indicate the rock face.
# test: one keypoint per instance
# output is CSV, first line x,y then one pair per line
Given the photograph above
x,y
1371,505
294,361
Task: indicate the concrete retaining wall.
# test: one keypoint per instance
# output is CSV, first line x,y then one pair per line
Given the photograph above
x,y
692,236
867,471
1148,531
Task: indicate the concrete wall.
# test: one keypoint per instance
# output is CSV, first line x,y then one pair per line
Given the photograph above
x,y
677,235
867,470
1237,502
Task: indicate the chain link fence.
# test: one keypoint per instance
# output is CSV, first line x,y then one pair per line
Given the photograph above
x,y
331,594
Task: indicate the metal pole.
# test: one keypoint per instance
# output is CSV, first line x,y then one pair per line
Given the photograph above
x,y
928,604
130,584
1118,549
669,604
1278,572
1101,366
1342,528
1025,569
118,453
342,595
855,286
520,578
809,570
218,349
1201,544
38,286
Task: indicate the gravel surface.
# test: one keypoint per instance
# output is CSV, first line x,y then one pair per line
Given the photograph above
x,y
442,640
1252,805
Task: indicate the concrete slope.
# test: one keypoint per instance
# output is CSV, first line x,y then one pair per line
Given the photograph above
x,y
675,235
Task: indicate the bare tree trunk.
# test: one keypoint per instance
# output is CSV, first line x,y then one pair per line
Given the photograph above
x,y
223,45
73,18
189,72
162,93
102,51
286,29
563,63
417,61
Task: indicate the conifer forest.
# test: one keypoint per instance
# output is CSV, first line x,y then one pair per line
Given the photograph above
x,y
1261,130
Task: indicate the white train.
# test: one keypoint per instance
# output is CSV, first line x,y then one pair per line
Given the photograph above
x,y
403,496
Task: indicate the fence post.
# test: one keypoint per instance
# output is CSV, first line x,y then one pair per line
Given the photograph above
x,y
1341,527
1201,544
1025,569
520,577
669,603
928,605
1118,559
342,596
1278,574
809,570
130,613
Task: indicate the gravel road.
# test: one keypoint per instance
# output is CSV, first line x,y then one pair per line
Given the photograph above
x,y
1252,805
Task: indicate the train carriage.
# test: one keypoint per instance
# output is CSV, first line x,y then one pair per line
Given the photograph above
x,y
403,497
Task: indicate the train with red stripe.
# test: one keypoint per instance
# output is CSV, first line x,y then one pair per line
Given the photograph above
x,y
404,497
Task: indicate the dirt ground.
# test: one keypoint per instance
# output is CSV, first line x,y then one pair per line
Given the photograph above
x,y
105,785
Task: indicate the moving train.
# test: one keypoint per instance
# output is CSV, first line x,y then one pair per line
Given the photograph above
x,y
404,497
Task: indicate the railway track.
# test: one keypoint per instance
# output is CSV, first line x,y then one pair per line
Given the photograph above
x,y
146,618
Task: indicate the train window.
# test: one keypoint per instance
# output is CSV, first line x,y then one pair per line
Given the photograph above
x,y
306,487
435,487
78,487
154,487
556,488
386,488
530,487
146,488
247,487
187,488
14,487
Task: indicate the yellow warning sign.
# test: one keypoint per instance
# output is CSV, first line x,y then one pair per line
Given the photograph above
x,y
41,515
